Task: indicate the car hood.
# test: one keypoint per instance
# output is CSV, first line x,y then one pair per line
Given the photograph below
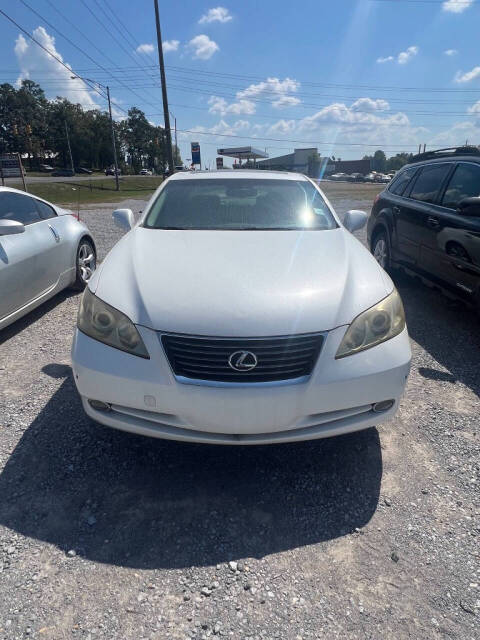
x,y
240,283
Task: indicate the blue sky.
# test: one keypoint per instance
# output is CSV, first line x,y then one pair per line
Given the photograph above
x,y
348,76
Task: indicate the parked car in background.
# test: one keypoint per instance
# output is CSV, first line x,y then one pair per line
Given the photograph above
x,y
63,172
357,177
111,171
383,178
83,170
145,172
427,221
188,332
43,249
370,177
339,176
46,168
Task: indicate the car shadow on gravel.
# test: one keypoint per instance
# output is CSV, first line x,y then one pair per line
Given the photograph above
x,y
34,316
448,331
131,501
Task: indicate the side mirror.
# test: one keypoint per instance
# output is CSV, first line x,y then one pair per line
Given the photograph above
x,y
355,220
11,227
124,219
469,206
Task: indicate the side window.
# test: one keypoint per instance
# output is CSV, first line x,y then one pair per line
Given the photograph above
x,y
14,206
400,182
45,210
465,183
428,183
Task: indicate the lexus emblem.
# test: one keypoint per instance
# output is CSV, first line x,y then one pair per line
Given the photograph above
x,y
243,361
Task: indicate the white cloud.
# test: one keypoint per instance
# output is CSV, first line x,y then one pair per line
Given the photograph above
x,y
285,101
218,14
468,76
145,48
450,52
272,86
402,58
456,6
37,64
406,56
202,47
369,105
170,45
221,106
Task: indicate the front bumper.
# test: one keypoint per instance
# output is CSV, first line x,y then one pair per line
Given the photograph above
x,y
146,398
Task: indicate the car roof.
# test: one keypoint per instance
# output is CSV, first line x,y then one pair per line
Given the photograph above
x,y
445,158
238,174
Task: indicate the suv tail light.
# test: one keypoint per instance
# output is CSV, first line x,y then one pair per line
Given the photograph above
x,y
377,198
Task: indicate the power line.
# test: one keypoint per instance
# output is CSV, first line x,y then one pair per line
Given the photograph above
x,y
338,144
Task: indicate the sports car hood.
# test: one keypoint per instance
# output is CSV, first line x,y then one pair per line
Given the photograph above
x,y
240,283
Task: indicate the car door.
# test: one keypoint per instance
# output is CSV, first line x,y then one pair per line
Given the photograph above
x,y
60,253
405,222
25,272
453,248
414,220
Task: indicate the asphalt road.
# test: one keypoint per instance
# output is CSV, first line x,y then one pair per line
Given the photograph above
x,y
109,535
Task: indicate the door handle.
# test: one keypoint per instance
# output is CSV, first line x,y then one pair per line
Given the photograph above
x,y
56,235
396,209
433,222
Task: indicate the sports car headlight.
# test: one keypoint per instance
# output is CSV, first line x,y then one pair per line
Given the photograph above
x,y
375,325
108,325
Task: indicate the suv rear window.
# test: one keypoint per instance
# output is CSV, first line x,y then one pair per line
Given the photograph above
x,y
428,183
400,181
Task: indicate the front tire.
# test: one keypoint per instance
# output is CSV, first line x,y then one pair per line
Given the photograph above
x,y
381,250
85,264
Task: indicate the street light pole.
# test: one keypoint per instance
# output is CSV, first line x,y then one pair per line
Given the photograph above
x,y
117,186
166,114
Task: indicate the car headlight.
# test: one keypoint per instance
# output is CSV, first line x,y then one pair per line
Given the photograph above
x,y
102,322
375,325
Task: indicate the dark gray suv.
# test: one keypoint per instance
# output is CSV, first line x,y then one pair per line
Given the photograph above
x,y
427,221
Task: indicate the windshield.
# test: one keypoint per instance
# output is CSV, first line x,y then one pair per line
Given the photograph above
x,y
244,204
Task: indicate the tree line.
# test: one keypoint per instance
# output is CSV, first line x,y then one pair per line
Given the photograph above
x,y
35,127
382,164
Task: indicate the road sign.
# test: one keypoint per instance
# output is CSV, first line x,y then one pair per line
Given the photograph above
x,y
219,163
196,153
11,167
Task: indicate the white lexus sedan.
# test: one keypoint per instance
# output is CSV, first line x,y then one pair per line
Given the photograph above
x,y
240,310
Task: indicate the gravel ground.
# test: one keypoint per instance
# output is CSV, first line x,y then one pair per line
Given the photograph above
x,y
109,535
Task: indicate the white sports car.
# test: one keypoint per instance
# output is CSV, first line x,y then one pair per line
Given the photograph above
x,y
43,249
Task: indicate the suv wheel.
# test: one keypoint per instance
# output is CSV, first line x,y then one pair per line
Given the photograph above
x,y
381,249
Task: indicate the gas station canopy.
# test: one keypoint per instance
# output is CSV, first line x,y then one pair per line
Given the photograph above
x,y
242,153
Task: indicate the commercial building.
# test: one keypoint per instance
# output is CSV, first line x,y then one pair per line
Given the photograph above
x,y
300,160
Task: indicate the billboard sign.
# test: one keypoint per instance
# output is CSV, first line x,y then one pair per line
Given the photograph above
x,y
196,153
219,163
10,165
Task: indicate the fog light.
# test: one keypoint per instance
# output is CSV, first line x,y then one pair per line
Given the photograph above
x,y
98,405
385,405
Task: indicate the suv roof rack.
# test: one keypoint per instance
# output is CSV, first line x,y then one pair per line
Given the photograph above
x,y
466,150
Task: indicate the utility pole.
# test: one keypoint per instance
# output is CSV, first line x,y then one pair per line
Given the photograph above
x,y
117,186
166,115
69,147
176,143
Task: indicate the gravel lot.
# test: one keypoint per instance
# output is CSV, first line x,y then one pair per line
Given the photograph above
x,y
109,535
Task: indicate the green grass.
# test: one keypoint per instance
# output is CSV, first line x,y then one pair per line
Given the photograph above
x,y
86,192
